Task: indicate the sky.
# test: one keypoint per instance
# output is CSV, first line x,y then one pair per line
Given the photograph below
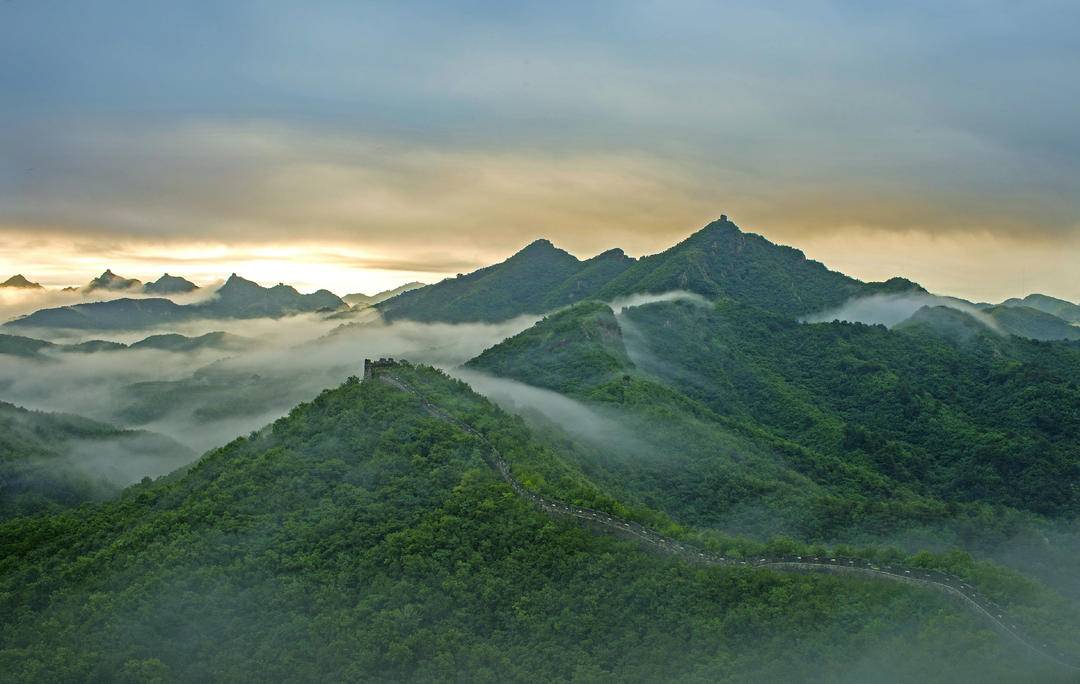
x,y
357,146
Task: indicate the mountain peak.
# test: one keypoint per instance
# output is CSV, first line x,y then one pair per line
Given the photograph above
x,y
20,281
239,281
895,285
169,284
538,246
613,253
110,281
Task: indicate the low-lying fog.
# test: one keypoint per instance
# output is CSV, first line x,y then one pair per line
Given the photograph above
x,y
208,397
890,309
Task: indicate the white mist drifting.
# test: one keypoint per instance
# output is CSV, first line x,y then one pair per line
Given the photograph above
x,y
891,309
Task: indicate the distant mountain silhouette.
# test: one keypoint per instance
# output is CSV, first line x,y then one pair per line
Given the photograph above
x,y
1061,308
167,285
237,298
110,281
1026,321
19,281
28,347
181,343
361,299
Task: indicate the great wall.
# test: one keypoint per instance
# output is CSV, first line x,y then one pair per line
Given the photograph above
x,y
950,585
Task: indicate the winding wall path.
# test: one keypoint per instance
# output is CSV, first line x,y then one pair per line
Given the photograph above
x,y
945,583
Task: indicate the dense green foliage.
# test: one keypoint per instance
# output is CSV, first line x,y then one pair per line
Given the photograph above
x,y
737,418
996,420
362,539
49,461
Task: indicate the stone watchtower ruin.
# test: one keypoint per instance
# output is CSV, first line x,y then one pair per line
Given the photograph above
x,y
371,366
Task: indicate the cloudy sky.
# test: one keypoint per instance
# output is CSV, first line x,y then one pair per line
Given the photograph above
x,y
357,146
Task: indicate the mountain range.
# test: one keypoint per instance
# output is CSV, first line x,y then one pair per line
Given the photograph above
x,y
28,347
718,261
109,281
236,298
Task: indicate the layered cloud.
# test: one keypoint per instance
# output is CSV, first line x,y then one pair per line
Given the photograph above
x,y
394,141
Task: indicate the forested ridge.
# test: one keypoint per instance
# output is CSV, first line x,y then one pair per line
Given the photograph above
x,y
719,260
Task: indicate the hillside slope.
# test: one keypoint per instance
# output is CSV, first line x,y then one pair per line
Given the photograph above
x,y
579,346
362,538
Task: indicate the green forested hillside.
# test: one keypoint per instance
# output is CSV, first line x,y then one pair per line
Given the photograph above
x,y
995,420
825,430
360,538
49,461
575,348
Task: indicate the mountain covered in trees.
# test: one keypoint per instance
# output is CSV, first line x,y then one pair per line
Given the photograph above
x,y
876,431
365,538
719,261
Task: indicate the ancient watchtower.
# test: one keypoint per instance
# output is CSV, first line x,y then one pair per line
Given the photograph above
x,y
371,366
